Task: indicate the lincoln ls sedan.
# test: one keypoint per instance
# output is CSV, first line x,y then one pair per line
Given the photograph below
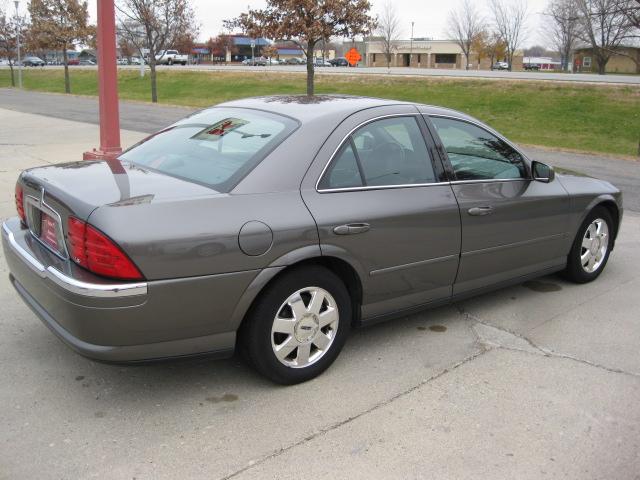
x,y
274,225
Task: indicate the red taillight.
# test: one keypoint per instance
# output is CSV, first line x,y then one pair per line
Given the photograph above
x,y
96,252
20,203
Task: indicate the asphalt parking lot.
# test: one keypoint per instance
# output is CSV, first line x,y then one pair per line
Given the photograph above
x,y
539,380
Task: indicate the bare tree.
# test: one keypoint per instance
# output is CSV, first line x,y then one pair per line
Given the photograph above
x,y
389,29
509,17
59,25
307,23
464,25
155,25
563,28
604,26
8,39
127,49
631,9
222,46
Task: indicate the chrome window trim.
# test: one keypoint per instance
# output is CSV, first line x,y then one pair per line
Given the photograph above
x,y
69,284
490,180
381,187
486,128
371,187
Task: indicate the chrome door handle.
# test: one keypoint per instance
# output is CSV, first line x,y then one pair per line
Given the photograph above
x,y
480,211
351,228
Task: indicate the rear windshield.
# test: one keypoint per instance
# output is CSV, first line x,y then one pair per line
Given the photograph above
x,y
216,148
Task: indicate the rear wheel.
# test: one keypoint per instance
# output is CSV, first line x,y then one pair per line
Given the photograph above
x,y
170,61
591,247
298,325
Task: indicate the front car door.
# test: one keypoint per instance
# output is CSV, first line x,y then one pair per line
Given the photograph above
x,y
512,225
382,203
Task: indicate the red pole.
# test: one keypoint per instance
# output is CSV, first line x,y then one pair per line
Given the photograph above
x,y
108,85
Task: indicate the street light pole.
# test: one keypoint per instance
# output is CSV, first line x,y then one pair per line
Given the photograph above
x,y
108,85
411,45
17,4
253,46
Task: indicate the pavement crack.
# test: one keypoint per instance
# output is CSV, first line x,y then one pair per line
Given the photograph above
x,y
350,419
486,338
492,335
553,354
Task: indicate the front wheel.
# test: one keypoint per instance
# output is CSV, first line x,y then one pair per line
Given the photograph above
x,y
298,325
591,247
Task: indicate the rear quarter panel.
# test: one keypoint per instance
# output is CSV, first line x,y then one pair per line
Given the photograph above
x,y
195,237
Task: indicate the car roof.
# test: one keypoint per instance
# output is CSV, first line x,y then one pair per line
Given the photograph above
x,y
306,109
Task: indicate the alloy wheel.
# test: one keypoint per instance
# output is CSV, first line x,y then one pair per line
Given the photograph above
x,y
595,244
304,327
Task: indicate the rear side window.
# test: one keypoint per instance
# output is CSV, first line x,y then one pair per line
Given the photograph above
x,y
386,152
476,154
219,152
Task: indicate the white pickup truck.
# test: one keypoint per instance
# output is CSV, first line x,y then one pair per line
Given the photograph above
x,y
169,57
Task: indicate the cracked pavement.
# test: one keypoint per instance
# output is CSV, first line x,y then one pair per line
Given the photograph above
x,y
539,380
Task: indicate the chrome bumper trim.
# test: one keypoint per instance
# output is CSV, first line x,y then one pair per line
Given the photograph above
x,y
71,284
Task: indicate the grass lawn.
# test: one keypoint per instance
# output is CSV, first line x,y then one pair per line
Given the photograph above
x,y
597,118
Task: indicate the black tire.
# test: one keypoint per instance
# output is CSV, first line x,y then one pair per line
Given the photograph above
x,y
170,62
574,270
255,336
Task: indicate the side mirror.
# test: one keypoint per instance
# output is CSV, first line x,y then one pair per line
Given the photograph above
x,y
542,172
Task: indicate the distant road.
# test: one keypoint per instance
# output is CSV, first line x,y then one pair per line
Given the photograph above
x,y
405,71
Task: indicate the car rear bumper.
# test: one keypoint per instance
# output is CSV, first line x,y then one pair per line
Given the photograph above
x,y
124,322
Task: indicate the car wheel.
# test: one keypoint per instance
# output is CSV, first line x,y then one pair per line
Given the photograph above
x,y
591,247
298,326
170,62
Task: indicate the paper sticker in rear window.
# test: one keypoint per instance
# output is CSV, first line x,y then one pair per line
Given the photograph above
x,y
220,129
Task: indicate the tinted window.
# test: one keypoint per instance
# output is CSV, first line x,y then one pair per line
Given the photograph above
x,y
218,152
382,153
476,154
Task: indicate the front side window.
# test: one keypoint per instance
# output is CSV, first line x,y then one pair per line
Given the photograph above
x,y
385,152
217,147
476,154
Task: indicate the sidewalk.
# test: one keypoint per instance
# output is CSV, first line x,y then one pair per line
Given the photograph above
x,y
28,140
540,380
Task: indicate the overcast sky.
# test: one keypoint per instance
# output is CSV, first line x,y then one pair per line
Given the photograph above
x,y
430,16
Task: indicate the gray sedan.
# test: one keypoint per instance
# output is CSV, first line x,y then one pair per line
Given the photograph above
x,y
275,225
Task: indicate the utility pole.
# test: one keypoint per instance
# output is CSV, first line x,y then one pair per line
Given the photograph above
x,y
17,4
253,49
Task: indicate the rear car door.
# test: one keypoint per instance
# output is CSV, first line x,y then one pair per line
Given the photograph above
x,y
382,203
512,225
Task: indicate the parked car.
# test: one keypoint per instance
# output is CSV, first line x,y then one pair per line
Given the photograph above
x,y
33,62
170,57
500,66
320,62
339,62
87,62
531,66
277,224
73,61
296,61
136,61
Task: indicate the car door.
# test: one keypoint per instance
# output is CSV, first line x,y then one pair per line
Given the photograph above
x,y
512,225
382,203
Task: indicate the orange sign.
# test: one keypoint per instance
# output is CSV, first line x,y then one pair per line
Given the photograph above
x,y
353,57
